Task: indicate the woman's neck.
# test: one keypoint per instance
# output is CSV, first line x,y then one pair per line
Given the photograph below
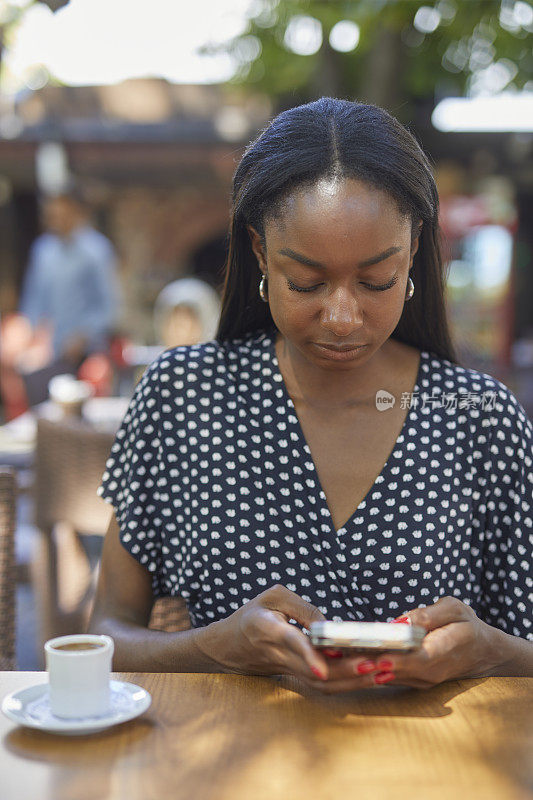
x,y
329,389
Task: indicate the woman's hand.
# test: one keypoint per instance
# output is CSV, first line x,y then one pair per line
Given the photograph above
x,y
258,639
458,645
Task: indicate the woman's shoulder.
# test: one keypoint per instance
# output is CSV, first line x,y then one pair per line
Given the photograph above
x,y
474,389
467,378
212,359
443,369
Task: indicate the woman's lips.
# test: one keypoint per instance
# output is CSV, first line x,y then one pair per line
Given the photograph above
x,y
339,352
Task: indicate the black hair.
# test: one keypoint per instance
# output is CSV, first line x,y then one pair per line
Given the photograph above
x,y
335,138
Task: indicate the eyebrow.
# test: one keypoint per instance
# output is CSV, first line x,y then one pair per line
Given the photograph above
x,y
310,262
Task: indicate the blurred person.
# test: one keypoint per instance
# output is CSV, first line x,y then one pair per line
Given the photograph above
x,y
16,340
71,285
186,312
260,478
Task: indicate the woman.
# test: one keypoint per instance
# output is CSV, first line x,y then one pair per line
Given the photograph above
x,y
268,477
186,312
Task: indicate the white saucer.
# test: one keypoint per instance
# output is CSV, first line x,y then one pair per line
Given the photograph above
x,y
31,707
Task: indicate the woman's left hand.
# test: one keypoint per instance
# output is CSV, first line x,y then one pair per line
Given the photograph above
x,y
458,645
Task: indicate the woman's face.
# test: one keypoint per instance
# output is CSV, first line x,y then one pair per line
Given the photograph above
x,y
337,262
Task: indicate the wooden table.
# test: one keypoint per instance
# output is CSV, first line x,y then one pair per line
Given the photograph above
x,y
227,737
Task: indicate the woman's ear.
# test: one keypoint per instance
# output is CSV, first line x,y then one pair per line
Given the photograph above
x,y
257,247
415,241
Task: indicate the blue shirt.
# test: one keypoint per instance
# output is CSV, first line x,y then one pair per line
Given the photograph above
x,y
71,283
217,495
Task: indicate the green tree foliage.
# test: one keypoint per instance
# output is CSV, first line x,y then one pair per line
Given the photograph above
x,y
406,49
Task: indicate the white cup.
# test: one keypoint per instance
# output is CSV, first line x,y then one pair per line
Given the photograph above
x,y
79,671
69,394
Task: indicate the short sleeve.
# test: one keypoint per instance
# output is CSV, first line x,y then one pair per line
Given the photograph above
x,y
133,475
507,580
33,304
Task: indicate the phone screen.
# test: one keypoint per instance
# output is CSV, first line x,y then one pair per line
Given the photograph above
x,y
365,637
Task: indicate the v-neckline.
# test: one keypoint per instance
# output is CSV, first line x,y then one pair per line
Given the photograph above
x,y
279,379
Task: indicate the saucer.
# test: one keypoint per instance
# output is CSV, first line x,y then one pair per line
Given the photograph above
x,y
31,707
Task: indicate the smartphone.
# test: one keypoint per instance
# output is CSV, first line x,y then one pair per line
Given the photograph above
x,y
350,638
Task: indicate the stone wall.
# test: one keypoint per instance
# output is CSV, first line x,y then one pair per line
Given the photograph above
x,y
156,233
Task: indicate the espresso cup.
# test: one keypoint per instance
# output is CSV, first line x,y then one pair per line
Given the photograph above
x,y
79,671
69,394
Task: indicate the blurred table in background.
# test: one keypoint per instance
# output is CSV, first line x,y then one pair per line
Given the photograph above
x,y
233,737
18,437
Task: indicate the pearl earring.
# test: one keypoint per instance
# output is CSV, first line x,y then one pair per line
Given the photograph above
x,y
411,290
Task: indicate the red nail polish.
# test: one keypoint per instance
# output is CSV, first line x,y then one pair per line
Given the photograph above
x,y
317,672
364,667
384,677
329,652
385,665
404,619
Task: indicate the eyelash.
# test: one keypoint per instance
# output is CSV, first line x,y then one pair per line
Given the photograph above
x,y
375,288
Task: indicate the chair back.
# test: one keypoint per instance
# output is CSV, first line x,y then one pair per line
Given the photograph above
x,y
70,461
69,464
7,568
170,614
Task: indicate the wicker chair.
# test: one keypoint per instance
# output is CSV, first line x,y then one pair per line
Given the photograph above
x,y
7,568
170,614
70,461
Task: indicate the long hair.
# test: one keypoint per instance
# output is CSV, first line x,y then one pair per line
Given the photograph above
x,y
353,140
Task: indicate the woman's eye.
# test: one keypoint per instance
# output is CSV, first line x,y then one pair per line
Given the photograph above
x,y
372,286
381,287
294,288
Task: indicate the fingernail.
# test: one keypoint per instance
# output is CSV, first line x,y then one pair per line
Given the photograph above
x,y
384,677
331,653
364,667
403,619
317,672
385,665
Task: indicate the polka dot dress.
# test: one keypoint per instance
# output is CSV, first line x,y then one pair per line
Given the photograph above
x,y
217,495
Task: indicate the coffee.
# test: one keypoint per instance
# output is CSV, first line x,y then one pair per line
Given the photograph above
x,y
79,672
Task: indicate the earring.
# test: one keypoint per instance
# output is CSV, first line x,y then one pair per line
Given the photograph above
x,y
411,290
262,289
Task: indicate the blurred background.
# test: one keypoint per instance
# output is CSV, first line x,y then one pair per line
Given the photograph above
x,y
147,107
134,115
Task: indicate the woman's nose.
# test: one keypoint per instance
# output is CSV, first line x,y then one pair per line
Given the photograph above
x,y
342,313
